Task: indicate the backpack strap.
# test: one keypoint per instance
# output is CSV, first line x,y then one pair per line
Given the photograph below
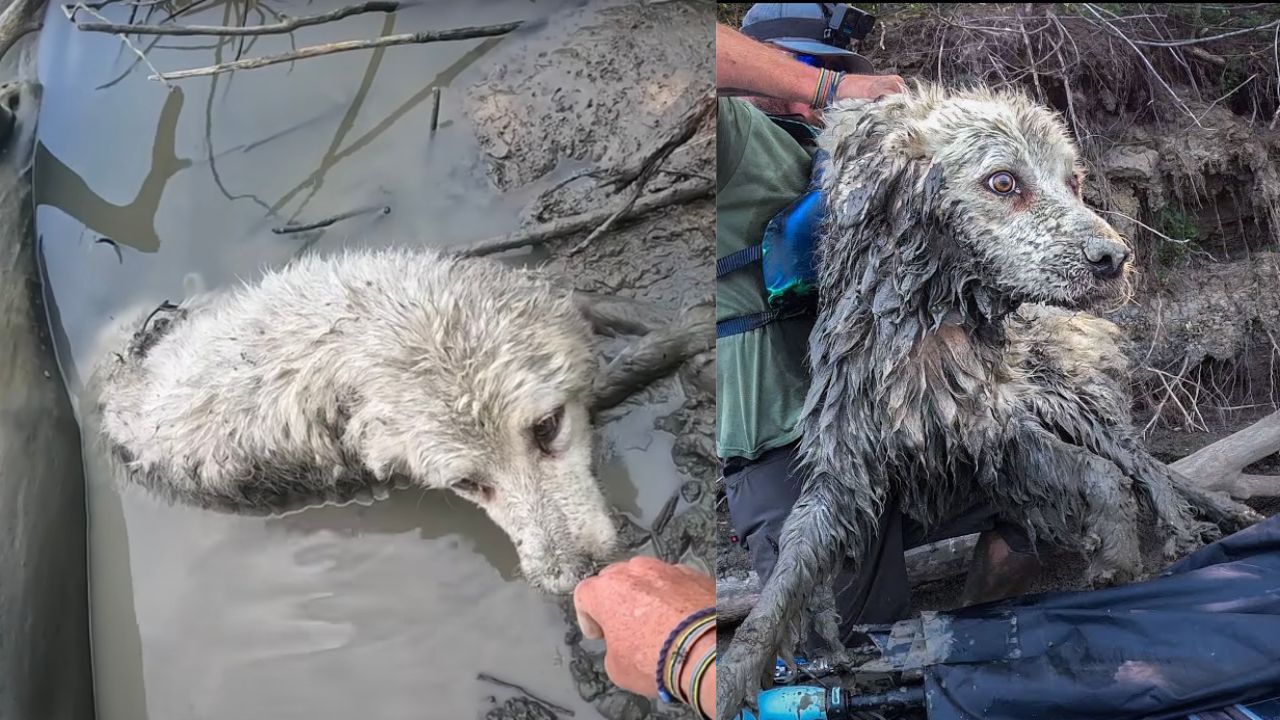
x,y
737,260
745,323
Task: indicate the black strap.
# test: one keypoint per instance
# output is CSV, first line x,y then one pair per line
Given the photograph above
x,y
745,323
737,260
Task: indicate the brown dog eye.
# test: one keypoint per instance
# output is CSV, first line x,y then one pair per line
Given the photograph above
x,y
1002,183
547,430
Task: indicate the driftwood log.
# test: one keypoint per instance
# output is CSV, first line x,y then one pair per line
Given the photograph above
x,y
1218,466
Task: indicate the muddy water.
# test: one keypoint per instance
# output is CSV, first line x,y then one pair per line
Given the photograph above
x,y
146,193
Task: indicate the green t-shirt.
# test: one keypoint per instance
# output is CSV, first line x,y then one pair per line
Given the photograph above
x,y
761,376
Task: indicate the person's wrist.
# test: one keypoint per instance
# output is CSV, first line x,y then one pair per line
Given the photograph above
x,y
700,647
674,655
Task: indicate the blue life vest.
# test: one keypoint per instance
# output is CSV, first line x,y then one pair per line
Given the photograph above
x,y
785,255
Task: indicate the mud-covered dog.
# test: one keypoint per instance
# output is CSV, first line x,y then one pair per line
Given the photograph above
x,y
936,380
370,368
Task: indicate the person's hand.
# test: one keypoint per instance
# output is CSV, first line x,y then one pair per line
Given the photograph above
x,y
634,605
869,87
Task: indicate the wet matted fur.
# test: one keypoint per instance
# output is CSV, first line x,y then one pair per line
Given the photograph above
x,y
349,371
935,380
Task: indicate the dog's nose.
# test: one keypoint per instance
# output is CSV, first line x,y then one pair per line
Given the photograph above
x,y
1106,257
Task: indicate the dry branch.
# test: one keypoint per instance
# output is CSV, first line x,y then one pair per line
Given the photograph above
x,y
674,195
1220,466
285,26
462,33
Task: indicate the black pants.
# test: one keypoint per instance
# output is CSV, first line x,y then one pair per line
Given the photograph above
x,y
760,494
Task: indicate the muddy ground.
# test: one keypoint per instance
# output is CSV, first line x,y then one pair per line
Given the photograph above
x,y
633,71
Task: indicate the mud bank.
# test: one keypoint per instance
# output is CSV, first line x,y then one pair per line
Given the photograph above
x,y
44,632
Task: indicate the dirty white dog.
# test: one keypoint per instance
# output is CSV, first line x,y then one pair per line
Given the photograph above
x,y
373,368
939,374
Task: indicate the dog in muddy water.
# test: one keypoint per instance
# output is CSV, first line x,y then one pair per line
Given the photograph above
x,y
370,369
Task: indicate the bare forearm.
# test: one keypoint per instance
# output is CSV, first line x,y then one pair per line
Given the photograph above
x,y
747,67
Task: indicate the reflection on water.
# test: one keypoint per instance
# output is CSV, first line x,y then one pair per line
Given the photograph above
x,y
380,611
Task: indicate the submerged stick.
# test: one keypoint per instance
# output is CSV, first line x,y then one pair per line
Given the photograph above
x,y
674,195
486,677
462,33
326,222
435,109
285,26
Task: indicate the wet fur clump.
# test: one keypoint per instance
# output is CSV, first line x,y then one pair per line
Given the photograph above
x,y
950,360
341,373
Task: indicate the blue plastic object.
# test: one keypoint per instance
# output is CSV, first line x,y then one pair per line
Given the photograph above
x,y
788,250
797,702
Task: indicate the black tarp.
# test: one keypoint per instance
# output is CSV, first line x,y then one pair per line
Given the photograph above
x,y
1202,635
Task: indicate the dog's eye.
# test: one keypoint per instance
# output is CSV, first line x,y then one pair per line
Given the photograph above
x,y
468,487
546,430
1002,183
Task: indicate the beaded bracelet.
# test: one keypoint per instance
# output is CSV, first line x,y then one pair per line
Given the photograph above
x,y
695,690
665,653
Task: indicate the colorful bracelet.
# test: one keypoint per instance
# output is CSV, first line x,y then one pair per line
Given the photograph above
x,y
825,92
695,690
680,634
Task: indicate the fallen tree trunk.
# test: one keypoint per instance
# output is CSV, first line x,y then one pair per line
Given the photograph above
x,y
1220,466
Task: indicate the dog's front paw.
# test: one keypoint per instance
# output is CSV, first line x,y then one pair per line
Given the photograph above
x,y
740,671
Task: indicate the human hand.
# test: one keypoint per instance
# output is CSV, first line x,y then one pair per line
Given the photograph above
x,y
634,605
869,87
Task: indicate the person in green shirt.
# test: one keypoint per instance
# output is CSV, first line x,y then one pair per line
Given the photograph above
x,y
782,62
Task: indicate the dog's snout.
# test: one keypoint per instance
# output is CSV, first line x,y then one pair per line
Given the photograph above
x,y
1106,257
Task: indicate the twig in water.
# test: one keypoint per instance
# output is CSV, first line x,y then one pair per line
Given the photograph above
x,y
282,27
486,677
664,515
674,195
435,109
326,222
462,33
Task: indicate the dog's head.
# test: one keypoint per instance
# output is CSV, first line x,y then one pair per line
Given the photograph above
x,y
488,394
993,175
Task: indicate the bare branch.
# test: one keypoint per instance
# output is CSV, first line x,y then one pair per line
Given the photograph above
x,y
674,195
123,38
463,33
289,25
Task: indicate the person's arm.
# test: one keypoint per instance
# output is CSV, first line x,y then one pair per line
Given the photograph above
x,y
748,67
635,605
